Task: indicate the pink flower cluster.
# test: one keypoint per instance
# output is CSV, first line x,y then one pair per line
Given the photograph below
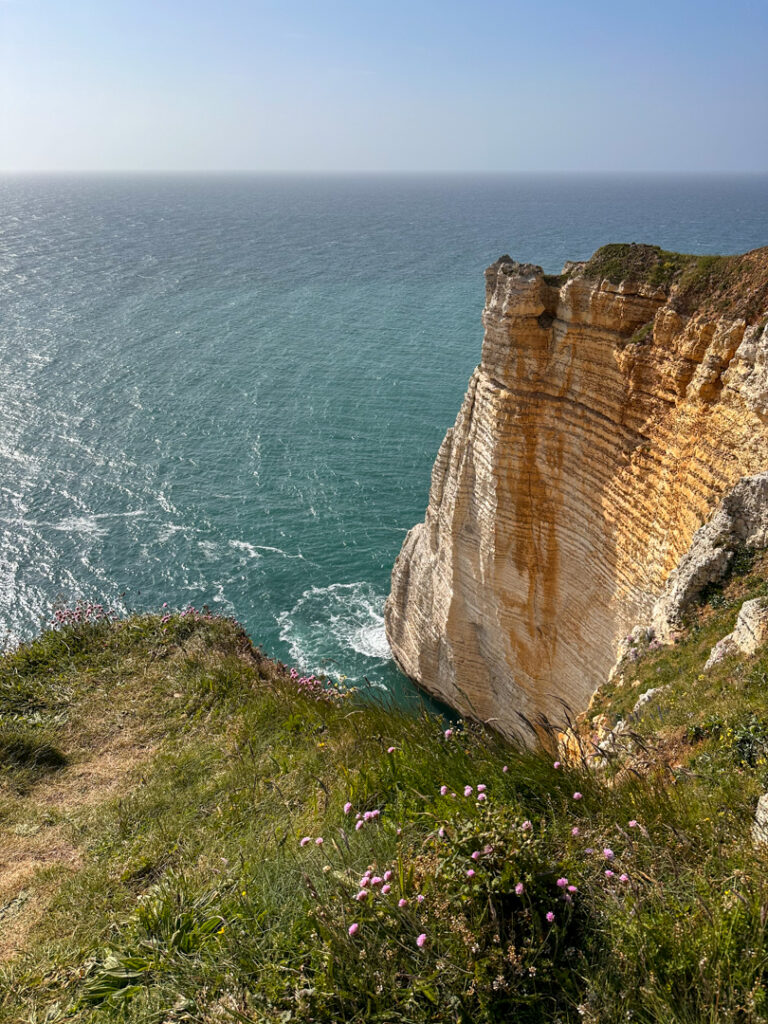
x,y
311,686
83,611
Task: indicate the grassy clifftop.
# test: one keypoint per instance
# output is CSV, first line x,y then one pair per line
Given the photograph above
x,y
735,286
164,790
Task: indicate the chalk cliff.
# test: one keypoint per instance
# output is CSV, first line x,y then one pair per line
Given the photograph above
x,y
613,408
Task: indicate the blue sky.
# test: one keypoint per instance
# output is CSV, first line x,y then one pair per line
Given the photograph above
x,y
335,85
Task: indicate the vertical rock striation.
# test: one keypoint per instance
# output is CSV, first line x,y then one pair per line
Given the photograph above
x,y
606,420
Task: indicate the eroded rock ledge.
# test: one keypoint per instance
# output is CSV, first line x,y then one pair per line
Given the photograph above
x,y
605,422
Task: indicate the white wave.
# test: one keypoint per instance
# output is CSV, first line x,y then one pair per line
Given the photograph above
x,y
337,630
254,549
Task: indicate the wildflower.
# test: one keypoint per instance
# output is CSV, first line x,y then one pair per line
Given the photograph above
x,y
401,902
375,814
387,876
441,832
364,881
590,849
577,796
399,832
623,878
633,823
443,791
572,888
608,854
421,941
419,898
519,888
475,855
505,768
375,881
562,882
358,825
481,788
368,815
481,798
390,750
609,873
550,916
468,791
526,826
362,895
347,807
448,733
470,873
556,764
575,830
319,841
385,889
353,928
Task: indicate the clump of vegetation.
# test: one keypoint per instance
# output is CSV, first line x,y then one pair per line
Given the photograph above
x,y
229,839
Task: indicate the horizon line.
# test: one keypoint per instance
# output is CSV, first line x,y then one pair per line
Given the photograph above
x,y
200,172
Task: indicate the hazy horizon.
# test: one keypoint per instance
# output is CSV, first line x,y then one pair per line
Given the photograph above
x,y
256,87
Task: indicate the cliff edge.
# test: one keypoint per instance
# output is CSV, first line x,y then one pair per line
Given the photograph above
x,y
614,407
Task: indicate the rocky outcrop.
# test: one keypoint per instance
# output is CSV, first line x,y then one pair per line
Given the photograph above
x,y
605,422
749,633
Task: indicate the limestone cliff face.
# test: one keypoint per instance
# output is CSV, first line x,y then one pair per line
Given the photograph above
x,y
600,430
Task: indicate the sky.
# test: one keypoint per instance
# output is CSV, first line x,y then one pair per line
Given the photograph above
x,y
390,85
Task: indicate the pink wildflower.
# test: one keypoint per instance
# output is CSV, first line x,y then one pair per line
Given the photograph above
x,y
353,928
475,855
365,881
401,902
481,798
362,895
470,873
443,791
519,888
347,807
399,832
608,854
319,841
448,733
577,796
387,876
358,825
419,898
609,873
441,832
390,750
368,815
375,814
633,823
550,916
375,881
562,882
468,791
556,764
623,878
305,840
422,940
575,830
572,888
481,788
526,826
505,768
385,889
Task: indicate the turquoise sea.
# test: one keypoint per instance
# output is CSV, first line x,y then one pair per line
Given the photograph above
x,y
231,390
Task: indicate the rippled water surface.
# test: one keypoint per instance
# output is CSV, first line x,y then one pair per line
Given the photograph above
x,y
231,390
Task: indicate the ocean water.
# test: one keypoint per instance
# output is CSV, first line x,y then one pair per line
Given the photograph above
x,y
230,391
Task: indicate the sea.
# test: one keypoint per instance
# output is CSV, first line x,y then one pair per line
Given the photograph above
x,y
228,391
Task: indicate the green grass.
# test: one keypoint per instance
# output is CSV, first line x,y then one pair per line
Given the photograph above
x,y
188,768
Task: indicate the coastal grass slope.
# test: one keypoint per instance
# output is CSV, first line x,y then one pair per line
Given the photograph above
x,y
192,832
